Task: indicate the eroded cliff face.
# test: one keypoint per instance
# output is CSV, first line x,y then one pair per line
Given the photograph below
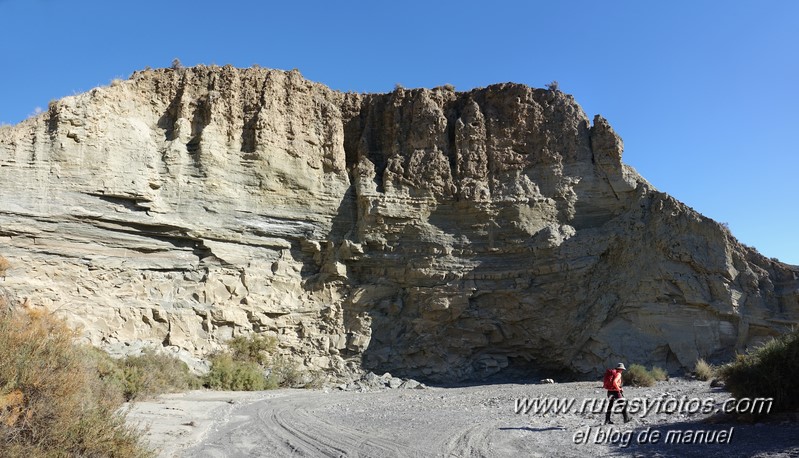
x,y
429,233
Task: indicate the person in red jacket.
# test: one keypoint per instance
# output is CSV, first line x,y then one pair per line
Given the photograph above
x,y
616,392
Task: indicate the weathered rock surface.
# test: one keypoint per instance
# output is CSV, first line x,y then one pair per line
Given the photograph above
x,y
430,233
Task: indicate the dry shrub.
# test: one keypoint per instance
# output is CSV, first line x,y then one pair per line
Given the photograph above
x,y
229,374
770,371
243,366
53,402
659,374
251,363
143,376
283,372
151,374
254,349
703,370
637,375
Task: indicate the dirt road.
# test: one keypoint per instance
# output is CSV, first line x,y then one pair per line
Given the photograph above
x,y
475,421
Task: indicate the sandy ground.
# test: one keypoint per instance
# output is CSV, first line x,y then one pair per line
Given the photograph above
x,y
474,421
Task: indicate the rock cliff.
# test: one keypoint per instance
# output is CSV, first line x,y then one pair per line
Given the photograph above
x,y
431,233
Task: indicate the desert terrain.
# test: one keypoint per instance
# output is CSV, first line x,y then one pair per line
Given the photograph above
x,y
430,233
467,421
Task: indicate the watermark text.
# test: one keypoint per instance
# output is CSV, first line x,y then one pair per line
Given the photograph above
x,y
643,406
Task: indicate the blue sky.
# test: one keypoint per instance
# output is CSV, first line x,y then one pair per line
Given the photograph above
x,y
704,94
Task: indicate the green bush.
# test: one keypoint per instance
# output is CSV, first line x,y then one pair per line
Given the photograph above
x,y
107,369
254,349
251,363
770,371
637,375
703,370
151,374
143,376
229,374
53,403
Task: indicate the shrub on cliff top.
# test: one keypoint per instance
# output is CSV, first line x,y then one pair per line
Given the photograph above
x,y
52,401
770,371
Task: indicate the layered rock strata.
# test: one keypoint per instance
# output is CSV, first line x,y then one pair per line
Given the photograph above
x,y
431,233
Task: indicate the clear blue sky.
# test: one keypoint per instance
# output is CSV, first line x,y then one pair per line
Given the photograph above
x,y
705,94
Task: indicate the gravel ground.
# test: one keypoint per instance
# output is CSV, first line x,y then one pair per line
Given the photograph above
x,y
472,421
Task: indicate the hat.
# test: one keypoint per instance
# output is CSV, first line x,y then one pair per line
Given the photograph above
x,y
621,366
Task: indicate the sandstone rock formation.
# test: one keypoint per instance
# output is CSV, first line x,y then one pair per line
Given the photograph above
x,y
430,233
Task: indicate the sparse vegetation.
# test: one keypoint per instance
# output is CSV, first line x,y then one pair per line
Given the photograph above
x,y
251,363
58,398
254,349
282,372
52,401
553,86
151,374
637,375
703,370
229,374
143,376
770,371
659,374
176,64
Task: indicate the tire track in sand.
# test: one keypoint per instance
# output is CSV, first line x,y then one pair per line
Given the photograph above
x,y
296,426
